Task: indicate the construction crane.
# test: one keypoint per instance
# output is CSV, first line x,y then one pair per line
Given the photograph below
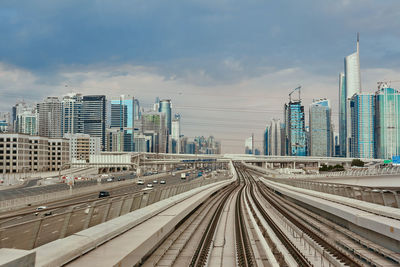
x,y
385,84
294,90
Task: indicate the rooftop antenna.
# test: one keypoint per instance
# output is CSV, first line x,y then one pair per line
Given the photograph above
x,y
358,42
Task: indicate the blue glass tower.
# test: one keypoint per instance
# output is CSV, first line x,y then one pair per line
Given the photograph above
x,y
295,129
362,125
122,117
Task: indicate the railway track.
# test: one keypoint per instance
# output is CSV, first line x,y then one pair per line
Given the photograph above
x,y
338,245
206,238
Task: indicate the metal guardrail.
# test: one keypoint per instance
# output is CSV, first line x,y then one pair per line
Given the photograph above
x,y
31,234
382,196
390,170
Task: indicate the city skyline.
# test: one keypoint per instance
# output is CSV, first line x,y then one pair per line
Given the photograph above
x,y
236,73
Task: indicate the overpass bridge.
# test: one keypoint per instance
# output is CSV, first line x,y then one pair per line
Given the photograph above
x,y
246,218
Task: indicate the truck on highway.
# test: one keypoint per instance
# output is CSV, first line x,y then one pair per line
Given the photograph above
x,y
183,175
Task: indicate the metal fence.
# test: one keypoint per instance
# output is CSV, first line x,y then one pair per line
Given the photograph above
x,y
31,234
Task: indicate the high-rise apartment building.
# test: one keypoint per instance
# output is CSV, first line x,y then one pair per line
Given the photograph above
x,y
387,122
94,117
154,126
363,125
320,132
72,121
296,143
50,117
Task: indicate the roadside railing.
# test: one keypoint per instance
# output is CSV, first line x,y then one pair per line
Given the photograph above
x,y
34,233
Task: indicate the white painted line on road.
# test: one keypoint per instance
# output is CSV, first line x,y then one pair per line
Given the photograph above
x,y
54,232
45,224
4,238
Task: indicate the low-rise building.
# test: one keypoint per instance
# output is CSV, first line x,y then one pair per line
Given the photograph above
x,y
81,146
21,153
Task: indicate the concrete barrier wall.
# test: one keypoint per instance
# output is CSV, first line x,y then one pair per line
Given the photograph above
x,y
388,198
31,234
11,204
62,251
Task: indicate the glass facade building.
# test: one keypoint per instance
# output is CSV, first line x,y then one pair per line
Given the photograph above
x,y
342,115
352,81
94,117
295,129
387,122
320,129
123,118
72,114
363,126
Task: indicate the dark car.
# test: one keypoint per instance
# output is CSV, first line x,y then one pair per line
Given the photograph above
x,y
104,194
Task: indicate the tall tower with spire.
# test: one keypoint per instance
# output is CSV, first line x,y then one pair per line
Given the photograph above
x,y
349,84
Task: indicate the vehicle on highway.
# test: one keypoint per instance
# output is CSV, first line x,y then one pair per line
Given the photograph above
x,y
149,185
39,209
104,194
163,182
140,182
155,182
109,180
173,174
183,175
48,213
146,189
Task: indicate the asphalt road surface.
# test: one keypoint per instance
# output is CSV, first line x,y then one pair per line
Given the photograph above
x,y
28,213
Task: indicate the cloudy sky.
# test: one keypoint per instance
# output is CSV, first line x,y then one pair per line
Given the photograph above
x,y
227,65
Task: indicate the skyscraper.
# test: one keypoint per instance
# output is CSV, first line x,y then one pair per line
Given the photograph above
x,y
352,81
320,128
266,141
295,129
153,125
275,138
175,134
249,145
165,107
72,114
94,117
342,115
49,117
387,122
122,119
362,128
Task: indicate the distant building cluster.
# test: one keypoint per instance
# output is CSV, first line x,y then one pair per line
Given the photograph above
x,y
93,123
369,123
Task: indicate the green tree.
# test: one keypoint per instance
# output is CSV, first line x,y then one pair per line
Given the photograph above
x,y
357,162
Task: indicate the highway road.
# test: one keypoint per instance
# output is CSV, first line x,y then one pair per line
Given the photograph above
x,y
28,213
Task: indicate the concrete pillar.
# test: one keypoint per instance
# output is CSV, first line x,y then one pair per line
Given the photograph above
x,y
107,210
136,202
67,218
145,198
126,205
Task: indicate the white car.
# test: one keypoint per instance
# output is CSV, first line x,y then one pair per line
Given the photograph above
x,y
39,209
149,185
155,182
140,182
163,182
